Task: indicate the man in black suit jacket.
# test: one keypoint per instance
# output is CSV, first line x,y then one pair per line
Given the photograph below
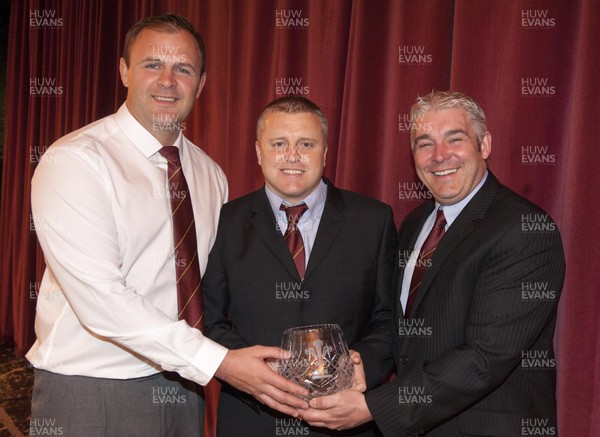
x,y
253,290
474,354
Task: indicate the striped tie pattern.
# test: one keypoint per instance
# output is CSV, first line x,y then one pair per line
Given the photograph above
x,y
292,236
189,288
429,246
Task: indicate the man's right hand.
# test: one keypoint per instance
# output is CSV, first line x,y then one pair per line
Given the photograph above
x,y
246,370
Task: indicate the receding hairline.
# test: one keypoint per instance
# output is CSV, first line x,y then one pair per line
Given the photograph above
x,y
165,23
293,105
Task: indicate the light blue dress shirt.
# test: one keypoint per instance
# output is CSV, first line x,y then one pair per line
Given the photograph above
x,y
308,224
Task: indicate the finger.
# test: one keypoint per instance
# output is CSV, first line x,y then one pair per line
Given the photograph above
x,y
272,364
311,415
283,408
272,352
324,402
316,418
286,398
318,424
355,357
280,383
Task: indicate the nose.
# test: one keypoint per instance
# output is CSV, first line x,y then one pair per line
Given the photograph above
x,y
292,154
166,78
441,152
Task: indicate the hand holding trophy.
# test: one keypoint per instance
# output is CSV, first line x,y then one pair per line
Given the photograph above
x,y
320,359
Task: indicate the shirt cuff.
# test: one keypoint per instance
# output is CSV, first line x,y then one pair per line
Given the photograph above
x,y
208,359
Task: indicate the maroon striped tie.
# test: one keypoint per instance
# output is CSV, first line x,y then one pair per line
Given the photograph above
x,y
292,236
187,268
429,246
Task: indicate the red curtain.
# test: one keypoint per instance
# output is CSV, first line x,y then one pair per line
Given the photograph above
x,y
532,64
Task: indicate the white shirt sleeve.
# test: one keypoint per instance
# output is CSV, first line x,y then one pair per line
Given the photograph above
x,y
72,208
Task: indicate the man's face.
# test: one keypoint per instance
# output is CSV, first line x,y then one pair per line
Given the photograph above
x,y
291,150
163,80
447,158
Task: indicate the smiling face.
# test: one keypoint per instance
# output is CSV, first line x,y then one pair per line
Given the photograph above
x,y
291,149
448,159
163,80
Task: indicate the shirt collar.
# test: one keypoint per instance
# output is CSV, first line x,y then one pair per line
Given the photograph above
x,y
452,211
313,201
145,142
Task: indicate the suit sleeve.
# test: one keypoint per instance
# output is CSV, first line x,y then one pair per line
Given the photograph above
x,y
375,347
215,288
500,325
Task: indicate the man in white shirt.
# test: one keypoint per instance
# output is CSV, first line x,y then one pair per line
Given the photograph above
x,y
111,357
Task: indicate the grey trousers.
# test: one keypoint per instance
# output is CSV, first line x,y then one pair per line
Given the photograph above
x,y
159,405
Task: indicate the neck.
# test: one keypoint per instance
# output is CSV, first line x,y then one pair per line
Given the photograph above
x,y
166,138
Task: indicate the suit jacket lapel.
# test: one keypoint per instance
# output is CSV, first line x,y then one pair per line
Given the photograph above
x,y
264,223
408,234
463,224
329,226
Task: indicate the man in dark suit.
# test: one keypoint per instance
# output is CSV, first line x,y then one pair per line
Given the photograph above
x,y
474,349
254,288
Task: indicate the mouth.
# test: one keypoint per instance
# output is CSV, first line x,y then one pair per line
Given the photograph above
x,y
292,171
445,172
165,99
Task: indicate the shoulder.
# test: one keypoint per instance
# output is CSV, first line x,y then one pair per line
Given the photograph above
x,y
244,204
82,150
87,139
418,214
207,172
513,223
201,158
353,201
508,206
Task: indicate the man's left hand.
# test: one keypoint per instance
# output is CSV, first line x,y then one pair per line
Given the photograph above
x,y
342,410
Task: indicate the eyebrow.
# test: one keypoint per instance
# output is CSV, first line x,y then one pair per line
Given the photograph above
x,y
156,58
284,138
449,133
423,137
456,131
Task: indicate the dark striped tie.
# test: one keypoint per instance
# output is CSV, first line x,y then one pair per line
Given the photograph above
x,y
187,267
292,236
429,246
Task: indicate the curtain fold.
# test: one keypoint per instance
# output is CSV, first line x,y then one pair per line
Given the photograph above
x,y
532,64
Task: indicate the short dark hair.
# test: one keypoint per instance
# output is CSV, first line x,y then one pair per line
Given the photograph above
x,y
168,23
293,105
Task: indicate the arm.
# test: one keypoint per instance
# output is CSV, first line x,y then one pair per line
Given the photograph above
x,y
78,233
71,193
499,326
215,287
246,370
375,348
342,410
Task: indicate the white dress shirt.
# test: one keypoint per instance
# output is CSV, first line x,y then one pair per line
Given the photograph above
x,y
450,214
107,305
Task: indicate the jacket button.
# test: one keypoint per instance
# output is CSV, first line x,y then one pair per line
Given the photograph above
x,y
404,360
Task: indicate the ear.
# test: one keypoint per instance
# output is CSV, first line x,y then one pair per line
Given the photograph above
x,y
201,84
258,152
325,156
486,146
123,70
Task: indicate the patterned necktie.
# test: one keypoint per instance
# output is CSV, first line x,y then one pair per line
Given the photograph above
x,y
424,260
189,290
293,237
